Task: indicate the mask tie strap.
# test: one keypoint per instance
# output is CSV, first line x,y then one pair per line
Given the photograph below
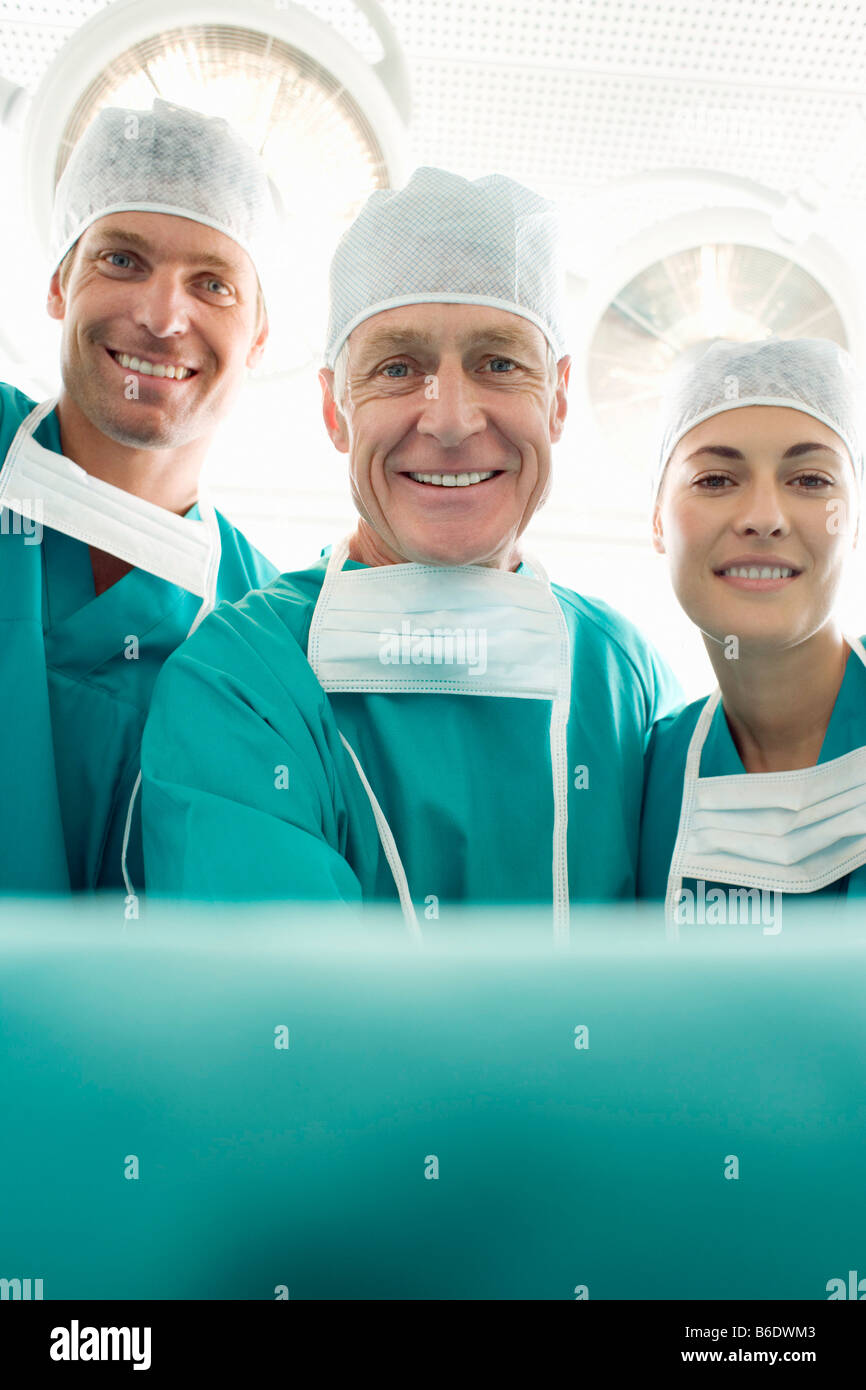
x,y
690,777
27,427
332,574
559,714
386,837
389,845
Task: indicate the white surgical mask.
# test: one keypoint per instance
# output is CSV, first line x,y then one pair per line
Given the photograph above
x,y
38,483
786,832
35,481
460,630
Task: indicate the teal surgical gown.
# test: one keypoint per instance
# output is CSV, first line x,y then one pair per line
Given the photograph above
x,y
666,763
248,792
75,691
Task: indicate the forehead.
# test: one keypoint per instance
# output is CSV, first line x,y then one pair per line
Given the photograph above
x,y
164,236
443,327
754,428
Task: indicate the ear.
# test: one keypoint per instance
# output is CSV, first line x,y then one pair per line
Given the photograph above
x,y
335,420
658,532
254,356
559,406
56,302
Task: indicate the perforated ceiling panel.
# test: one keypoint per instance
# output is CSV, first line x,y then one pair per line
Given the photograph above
x,y
761,41
572,93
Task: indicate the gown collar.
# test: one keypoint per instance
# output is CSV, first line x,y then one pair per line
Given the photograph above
x,y
719,757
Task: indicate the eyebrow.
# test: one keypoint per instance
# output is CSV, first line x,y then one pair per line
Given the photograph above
x,y
209,260
795,451
403,339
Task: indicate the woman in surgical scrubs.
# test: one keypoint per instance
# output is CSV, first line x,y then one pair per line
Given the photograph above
x,y
761,786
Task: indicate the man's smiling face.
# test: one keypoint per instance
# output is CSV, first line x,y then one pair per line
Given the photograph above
x,y
160,322
449,414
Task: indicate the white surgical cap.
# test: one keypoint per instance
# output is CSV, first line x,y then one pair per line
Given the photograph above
x,y
169,160
446,240
813,375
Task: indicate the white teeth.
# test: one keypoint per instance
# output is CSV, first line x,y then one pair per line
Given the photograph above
x,y
754,572
451,479
140,364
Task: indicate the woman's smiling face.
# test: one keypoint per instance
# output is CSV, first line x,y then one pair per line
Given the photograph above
x,y
757,514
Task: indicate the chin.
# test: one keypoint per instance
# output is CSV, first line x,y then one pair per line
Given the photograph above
x,y
445,555
757,637
140,434
455,550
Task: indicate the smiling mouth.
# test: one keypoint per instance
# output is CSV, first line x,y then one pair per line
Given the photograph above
x,y
174,371
453,479
757,572
758,579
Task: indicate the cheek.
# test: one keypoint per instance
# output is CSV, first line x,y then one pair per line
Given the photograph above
x,y
233,347
686,533
371,440
830,549
530,421
97,302
365,466
529,434
837,525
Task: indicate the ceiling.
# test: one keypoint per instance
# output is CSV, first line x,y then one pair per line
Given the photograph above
x,y
570,94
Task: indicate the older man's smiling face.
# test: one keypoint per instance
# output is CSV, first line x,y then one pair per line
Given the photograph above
x,y
448,418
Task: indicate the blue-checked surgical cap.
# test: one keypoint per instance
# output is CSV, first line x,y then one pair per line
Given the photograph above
x,y
813,375
444,239
170,160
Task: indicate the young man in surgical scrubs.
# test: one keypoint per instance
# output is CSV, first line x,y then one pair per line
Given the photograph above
x,y
763,785
462,731
107,552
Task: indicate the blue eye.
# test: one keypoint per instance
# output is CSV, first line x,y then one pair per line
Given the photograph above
x,y
708,481
220,287
114,256
813,478
496,362
396,370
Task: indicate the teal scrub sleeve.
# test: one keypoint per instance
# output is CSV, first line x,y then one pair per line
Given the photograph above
x,y
239,794
667,694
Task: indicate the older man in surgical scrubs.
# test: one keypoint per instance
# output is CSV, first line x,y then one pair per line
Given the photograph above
x,y
108,551
420,714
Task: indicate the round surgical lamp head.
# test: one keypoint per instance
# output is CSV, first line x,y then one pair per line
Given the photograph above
x,y
273,69
692,297
705,272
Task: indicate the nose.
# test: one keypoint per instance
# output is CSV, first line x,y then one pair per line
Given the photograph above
x,y
452,411
161,304
762,512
